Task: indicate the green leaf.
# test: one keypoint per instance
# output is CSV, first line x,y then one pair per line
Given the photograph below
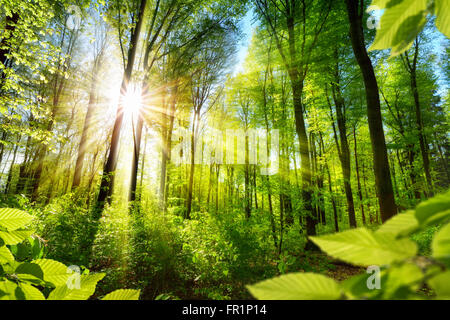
x,y
31,293
407,32
14,237
363,247
356,288
441,245
123,294
87,289
30,272
399,25
442,12
441,285
54,272
5,255
379,4
400,280
13,219
400,225
434,211
296,286
8,290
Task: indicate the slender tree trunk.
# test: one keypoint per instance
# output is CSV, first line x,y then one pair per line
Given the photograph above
x,y
82,148
247,180
107,181
195,126
10,173
361,205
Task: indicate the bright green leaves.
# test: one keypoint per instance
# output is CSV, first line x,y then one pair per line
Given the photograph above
x,y
399,25
297,286
399,225
13,219
30,292
10,221
82,288
54,272
435,210
5,255
441,245
14,237
18,279
403,20
363,247
30,272
441,285
400,282
8,290
395,271
356,287
123,294
442,11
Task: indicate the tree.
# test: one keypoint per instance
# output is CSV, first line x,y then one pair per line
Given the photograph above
x,y
382,172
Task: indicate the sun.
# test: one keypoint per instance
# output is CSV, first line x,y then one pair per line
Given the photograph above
x,y
132,101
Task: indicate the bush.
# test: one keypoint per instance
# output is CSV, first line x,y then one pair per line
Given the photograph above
x,y
37,278
399,272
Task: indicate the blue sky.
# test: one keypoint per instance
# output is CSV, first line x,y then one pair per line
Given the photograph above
x,y
247,27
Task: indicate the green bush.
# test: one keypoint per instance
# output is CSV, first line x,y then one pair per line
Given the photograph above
x,y
66,225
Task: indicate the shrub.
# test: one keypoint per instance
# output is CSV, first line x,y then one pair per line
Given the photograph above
x,y
390,249
66,224
38,278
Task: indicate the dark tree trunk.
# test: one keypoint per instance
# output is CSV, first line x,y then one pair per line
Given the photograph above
x,y
107,181
383,182
412,68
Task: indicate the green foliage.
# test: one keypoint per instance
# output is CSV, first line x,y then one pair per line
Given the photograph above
x,y
66,224
201,257
297,286
390,248
39,278
403,20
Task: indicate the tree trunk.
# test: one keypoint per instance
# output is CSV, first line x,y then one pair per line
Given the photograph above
x,y
361,205
107,181
382,172
86,129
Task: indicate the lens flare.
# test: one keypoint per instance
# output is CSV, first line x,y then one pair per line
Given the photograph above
x,y
132,101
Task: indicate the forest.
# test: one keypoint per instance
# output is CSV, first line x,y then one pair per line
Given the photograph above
x,y
224,150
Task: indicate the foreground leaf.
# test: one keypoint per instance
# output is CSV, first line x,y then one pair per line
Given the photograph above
x,y
399,25
441,245
399,225
54,271
5,255
31,293
442,16
434,211
8,291
14,237
87,289
123,294
363,248
13,219
296,286
441,285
